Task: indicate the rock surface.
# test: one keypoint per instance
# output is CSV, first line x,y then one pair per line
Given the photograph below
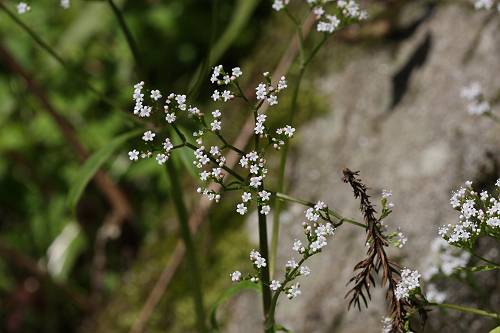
x,y
416,139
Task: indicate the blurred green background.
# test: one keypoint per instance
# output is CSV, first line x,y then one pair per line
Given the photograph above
x,y
51,279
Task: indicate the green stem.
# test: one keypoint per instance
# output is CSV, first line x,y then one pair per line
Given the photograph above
x,y
284,150
194,274
264,272
481,258
126,31
467,309
285,197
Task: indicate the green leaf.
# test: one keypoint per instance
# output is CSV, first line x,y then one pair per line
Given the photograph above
x,y
92,165
64,250
495,330
281,328
243,285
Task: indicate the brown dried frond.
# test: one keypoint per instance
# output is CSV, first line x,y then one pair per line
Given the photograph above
x,y
376,259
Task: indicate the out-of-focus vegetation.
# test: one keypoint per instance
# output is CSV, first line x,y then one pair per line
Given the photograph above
x,y
51,276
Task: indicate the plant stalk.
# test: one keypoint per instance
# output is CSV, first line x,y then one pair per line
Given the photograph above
x,y
194,272
467,309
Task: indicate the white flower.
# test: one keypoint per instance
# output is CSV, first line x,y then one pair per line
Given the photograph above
x,y
155,94
386,194
311,215
255,181
244,161
275,285
148,136
409,281
241,209
145,111
161,158
304,270
478,108
23,8
170,117
215,74
236,72
216,125
472,91
483,4
216,113
272,100
282,83
260,91
330,25
167,145
260,262
235,276
294,291
133,155
65,4
291,264
264,195
265,209
216,95
279,4
319,205
226,95
246,196
297,246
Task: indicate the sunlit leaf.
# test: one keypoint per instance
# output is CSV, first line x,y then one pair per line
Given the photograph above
x,y
64,250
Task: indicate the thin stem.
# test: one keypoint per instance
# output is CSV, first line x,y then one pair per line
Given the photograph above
x,y
126,31
285,197
466,309
285,149
194,274
482,258
264,271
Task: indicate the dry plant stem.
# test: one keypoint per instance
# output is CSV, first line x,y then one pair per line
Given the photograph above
x,y
200,211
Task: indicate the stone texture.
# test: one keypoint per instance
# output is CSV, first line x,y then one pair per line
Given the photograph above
x,y
424,147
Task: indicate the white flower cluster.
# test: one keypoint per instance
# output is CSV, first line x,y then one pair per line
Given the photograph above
x,y
486,4
479,212
220,78
293,291
257,259
328,23
473,94
443,259
409,281
284,134
268,92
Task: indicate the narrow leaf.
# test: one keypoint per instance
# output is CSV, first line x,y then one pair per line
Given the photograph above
x,y
92,165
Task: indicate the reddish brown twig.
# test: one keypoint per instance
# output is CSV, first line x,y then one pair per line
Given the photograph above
x,y
376,259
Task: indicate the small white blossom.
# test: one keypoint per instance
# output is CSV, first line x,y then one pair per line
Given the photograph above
x,y
264,195
265,209
148,136
294,291
246,196
275,285
161,158
23,8
241,209
170,117
235,276
65,4
304,270
133,155
155,95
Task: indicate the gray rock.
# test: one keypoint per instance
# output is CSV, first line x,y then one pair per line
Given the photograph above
x,y
422,148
